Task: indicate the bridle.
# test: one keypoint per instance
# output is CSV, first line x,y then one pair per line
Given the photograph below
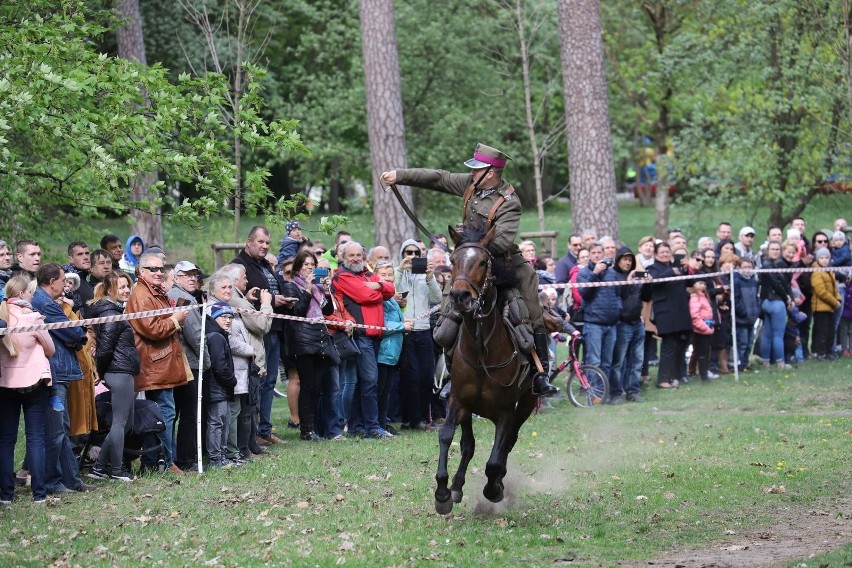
x,y
480,291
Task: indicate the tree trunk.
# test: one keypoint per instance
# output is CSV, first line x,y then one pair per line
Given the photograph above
x,y
385,123
591,176
131,45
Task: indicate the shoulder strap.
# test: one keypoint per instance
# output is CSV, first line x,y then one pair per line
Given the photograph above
x,y
509,191
468,194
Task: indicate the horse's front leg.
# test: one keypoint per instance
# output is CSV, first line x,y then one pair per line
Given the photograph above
x,y
505,437
443,501
468,446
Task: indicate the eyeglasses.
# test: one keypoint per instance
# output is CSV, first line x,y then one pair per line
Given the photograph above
x,y
415,252
155,268
821,241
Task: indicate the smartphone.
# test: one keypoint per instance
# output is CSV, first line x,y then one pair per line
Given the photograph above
x,y
678,258
404,294
418,265
639,274
320,273
181,302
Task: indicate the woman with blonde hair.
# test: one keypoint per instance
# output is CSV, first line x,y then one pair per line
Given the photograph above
x,y
117,362
24,384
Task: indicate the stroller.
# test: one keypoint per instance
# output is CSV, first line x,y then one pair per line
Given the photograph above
x,y
147,420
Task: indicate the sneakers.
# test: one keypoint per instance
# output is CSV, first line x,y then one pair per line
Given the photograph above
x,y
56,403
98,472
616,399
85,488
292,425
634,398
122,475
380,434
392,431
5,502
221,464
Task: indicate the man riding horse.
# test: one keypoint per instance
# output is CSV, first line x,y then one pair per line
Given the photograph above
x,y
489,198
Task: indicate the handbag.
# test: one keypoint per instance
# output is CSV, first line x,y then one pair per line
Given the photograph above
x,y
346,346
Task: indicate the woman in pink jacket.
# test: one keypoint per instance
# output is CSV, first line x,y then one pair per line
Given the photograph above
x,y
702,328
24,382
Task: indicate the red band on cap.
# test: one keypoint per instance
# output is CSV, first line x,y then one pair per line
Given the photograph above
x,y
490,160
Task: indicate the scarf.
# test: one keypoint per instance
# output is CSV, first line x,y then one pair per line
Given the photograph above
x,y
317,297
21,303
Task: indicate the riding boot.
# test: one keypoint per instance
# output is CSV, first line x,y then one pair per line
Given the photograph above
x,y
541,384
445,390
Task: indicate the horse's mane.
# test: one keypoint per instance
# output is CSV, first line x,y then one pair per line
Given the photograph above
x,y
504,277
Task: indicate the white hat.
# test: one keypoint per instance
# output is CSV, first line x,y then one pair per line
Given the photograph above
x,y
747,231
185,266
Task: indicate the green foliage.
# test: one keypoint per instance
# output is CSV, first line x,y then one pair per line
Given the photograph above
x,y
77,124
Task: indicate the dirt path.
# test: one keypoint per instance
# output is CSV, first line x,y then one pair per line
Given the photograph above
x,y
796,535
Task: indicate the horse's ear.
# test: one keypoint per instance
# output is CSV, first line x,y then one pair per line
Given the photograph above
x,y
454,235
489,236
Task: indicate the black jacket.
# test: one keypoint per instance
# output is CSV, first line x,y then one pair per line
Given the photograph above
x,y
306,338
115,347
631,300
670,300
775,285
219,379
255,278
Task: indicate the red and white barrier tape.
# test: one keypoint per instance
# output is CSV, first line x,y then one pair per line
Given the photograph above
x,y
701,276
168,311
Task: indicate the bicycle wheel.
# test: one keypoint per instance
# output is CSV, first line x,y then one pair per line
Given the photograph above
x,y
597,392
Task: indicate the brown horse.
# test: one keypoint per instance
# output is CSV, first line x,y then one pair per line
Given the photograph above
x,y
489,376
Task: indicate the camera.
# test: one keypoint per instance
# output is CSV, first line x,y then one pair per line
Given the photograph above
x,y
418,265
607,261
639,274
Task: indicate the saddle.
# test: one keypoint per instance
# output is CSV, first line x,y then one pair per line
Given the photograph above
x,y
515,314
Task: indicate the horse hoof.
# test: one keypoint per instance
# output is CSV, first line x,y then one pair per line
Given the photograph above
x,y
496,497
457,496
444,507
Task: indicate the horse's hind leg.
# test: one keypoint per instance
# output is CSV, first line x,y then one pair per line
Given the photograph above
x,y
443,501
468,446
505,437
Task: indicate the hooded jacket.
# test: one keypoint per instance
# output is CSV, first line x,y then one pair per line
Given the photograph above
x,y
34,348
115,347
631,295
129,261
423,292
63,364
190,329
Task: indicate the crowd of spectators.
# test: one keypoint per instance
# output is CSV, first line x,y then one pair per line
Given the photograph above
x,y
371,371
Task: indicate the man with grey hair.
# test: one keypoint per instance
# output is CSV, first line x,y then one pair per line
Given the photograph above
x,y
360,295
609,247
376,254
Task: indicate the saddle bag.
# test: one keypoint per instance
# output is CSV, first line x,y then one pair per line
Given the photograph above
x,y
517,318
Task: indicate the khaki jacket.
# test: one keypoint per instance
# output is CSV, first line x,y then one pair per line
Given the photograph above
x,y
162,361
825,297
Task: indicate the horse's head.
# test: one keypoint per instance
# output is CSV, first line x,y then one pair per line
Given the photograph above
x,y
471,262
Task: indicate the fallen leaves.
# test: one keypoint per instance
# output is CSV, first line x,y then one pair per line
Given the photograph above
x,y
774,489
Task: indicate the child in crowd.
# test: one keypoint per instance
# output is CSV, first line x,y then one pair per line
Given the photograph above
x,y
792,334
824,302
841,256
747,307
846,324
702,326
219,382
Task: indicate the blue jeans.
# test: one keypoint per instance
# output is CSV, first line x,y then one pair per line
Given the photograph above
x,y
218,422
349,374
272,346
35,408
599,344
365,403
628,358
772,339
745,337
60,462
165,399
329,420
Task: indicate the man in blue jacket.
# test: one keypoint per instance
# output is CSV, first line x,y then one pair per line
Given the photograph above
x,y
602,309
61,472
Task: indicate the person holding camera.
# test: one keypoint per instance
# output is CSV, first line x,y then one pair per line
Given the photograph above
x,y
629,355
602,312
416,281
309,343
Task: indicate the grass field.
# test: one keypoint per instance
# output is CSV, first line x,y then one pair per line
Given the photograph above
x,y
185,243
685,470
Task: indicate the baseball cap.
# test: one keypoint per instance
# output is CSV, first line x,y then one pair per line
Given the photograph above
x,y
185,266
747,231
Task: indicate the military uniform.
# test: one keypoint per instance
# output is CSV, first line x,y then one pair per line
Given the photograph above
x,y
479,208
